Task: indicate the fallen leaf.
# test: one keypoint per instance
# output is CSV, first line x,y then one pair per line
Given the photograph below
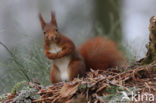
x,y
69,89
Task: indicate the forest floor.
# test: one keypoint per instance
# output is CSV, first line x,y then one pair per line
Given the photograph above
x,y
135,83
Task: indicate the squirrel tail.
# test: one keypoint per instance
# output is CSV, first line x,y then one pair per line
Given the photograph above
x,y
101,53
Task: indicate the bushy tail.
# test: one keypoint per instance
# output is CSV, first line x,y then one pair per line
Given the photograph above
x,y
101,53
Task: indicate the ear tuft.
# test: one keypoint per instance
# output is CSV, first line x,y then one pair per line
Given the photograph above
x,y
43,23
53,19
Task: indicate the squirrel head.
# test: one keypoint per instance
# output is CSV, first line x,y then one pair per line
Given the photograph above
x,y
152,26
50,29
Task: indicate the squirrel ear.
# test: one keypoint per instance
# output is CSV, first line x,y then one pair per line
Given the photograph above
x,y
43,23
152,19
53,19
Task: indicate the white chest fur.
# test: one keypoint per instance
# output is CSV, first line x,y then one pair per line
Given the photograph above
x,y
54,48
62,64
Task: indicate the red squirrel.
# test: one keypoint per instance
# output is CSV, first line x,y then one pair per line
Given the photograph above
x,y
69,61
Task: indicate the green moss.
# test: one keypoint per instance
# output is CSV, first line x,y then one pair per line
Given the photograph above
x,y
112,89
82,87
14,89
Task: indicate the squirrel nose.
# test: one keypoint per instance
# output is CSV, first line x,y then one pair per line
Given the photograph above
x,y
51,37
54,37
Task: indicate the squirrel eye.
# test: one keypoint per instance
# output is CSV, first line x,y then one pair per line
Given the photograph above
x,y
56,30
44,32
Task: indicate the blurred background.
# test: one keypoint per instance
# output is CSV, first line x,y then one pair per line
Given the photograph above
x,y
21,49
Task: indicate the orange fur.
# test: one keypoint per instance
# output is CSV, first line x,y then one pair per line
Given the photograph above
x,y
68,61
76,64
65,43
79,71
100,53
54,75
